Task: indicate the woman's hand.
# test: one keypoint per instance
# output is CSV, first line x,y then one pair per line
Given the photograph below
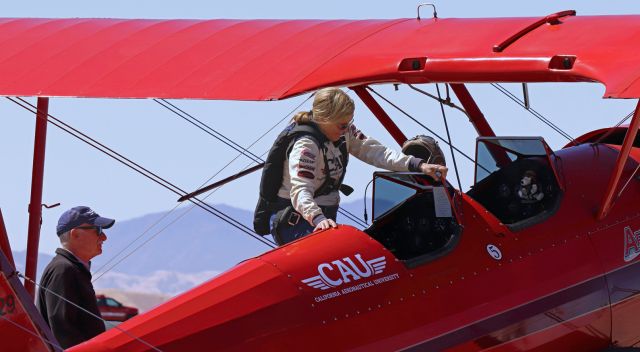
x,y
438,172
325,224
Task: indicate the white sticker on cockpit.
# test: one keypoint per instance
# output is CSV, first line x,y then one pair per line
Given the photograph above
x,y
441,202
494,252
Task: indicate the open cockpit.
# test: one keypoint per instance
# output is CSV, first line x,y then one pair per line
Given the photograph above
x,y
516,180
414,220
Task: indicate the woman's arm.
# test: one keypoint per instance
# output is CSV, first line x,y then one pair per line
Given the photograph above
x,y
371,151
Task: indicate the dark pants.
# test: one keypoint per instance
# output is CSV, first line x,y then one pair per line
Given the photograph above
x,y
295,226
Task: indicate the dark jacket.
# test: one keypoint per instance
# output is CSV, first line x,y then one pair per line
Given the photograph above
x,y
69,278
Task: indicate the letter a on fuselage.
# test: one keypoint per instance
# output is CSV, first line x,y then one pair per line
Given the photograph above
x,y
345,270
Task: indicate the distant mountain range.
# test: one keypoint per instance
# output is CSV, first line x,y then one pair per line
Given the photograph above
x,y
176,252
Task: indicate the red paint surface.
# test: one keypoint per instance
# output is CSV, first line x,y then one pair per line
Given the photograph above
x,y
252,59
263,303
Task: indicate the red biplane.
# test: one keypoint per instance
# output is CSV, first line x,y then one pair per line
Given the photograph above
x,y
502,267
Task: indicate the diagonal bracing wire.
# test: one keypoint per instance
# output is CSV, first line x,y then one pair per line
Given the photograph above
x,y
36,335
446,101
136,167
446,126
229,142
114,326
426,128
207,129
188,209
610,131
538,115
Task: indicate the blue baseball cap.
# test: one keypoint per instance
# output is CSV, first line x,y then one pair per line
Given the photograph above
x,y
77,216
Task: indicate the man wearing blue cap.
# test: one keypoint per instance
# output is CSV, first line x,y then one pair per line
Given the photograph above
x,y
67,275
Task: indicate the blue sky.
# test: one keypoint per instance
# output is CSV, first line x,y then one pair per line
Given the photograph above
x,y
145,132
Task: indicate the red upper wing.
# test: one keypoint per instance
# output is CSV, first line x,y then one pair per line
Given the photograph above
x,y
274,59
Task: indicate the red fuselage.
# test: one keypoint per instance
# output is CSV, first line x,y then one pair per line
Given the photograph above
x,y
561,284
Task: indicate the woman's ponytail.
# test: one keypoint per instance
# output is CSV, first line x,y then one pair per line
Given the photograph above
x,y
303,117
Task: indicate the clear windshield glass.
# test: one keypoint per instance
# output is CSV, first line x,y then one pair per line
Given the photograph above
x,y
494,154
388,195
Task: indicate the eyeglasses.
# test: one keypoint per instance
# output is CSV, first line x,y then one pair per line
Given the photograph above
x,y
344,126
97,228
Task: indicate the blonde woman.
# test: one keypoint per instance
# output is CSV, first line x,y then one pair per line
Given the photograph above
x,y
315,164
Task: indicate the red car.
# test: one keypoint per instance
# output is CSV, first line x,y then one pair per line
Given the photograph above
x,y
110,309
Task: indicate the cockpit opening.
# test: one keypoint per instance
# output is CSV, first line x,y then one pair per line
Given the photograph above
x,y
516,180
411,218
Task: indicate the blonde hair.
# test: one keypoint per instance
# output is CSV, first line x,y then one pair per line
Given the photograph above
x,y
329,105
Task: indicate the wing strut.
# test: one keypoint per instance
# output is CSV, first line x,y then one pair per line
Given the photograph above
x,y
475,115
35,206
379,112
477,119
629,138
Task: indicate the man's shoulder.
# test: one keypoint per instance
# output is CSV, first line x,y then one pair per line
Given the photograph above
x,y
60,264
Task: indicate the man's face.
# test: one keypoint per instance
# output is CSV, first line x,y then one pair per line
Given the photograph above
x,y
87,241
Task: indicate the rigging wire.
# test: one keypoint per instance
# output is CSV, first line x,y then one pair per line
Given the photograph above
x,y
118,157
446,101
564,134
426,128
114,326
136,167
446,125
610,131
193,206
45,340
607,134
538,115
242,150
212,192
207,129
97,276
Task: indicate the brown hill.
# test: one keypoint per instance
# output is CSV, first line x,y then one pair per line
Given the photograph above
x,y
142,301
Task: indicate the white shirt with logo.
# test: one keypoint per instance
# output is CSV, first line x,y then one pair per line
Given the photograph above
x,y
304,169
